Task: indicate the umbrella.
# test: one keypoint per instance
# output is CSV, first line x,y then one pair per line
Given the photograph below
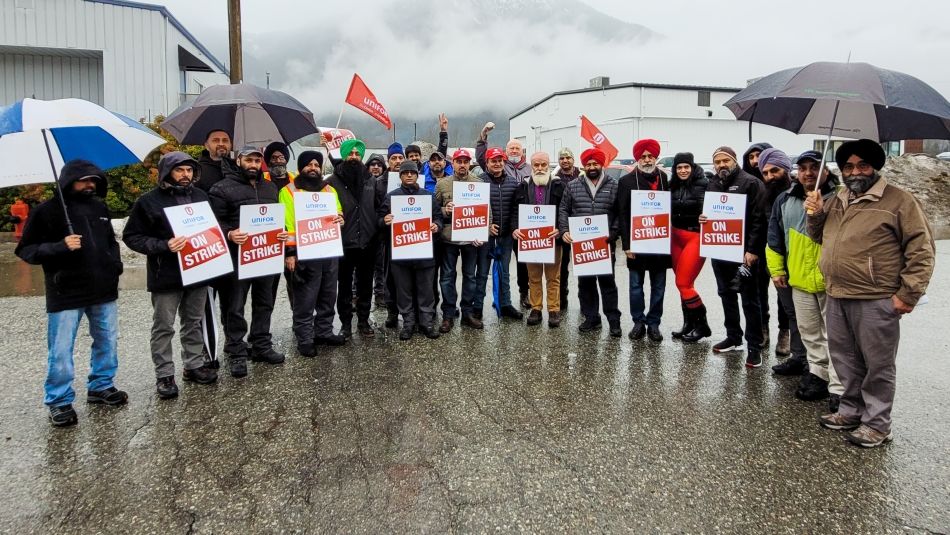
x,y
37,137
495,255
251,115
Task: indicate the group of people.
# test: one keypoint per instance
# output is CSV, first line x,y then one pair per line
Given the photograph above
x,y
847,257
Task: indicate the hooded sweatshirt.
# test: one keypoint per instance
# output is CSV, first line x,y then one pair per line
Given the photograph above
x,y
746,166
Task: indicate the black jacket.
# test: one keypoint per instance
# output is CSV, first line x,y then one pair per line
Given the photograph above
x,y
577,202
746,166
687,200
359,209
756,216
147,231
234,191
386,208
525,195
502,199
84,277
633,181
212,171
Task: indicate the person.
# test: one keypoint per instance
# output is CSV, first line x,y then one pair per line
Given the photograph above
x,y
541,189
877,258
376,165
315,281
731,281
19,212
646,176
431,175
471,253
594,194
687,192
241,186
277,155
792,258
213,159
750,159
567,172
413,278
147,231
433,172
394,157
355,185
500,243
81,268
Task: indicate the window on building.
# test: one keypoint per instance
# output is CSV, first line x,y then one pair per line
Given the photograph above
x,y
703,99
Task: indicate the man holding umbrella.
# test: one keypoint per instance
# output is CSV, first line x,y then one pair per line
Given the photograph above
x,y
215,155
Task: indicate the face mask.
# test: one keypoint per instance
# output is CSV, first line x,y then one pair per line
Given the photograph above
x,y
514,159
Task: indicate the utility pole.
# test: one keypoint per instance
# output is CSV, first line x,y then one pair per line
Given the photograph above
x,y
234,41
268,80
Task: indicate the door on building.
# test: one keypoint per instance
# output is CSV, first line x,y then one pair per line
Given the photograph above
x,y
50,73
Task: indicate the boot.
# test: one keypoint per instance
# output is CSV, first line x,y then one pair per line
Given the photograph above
x,y
783,346
687,324
700,325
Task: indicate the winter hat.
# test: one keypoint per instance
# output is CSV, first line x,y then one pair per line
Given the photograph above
x,y
775,157
308,156
395,148
540,156
683,157
594,154
727,151
494,152
413,148
277,146
347,147
867,150
651,145
378,158
408,165
565,152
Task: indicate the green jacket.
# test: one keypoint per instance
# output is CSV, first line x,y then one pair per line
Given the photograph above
x,y
791,252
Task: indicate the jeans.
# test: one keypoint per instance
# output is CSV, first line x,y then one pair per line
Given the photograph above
x,y
482,272
657,291
450,256
749,290
502,245
61,338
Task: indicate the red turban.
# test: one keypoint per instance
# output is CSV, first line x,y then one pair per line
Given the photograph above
x,y
646,145
594,154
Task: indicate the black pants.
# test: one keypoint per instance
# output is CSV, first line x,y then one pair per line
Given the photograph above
x,y
356,265
522,270
565,265
438,254
749,290
315,287
765,280
261,290
413,281
588,296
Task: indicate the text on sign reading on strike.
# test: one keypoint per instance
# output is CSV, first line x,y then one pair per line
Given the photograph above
x,y
590,251
722,232
466,217
411,232
536,239
262,246
650,227
202,247
317,230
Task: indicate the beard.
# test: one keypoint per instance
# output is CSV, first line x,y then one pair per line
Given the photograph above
x,y
350,171
311,181
593,174
541,179
278,170
648,169
725,171
251,174
859,184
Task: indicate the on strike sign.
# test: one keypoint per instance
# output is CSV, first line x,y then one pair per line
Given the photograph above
x,y
650,222
318,233
536,223
470,211
205,255
262,254
591,245
411,227
722,236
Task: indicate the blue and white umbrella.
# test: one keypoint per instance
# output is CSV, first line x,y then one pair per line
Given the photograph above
x,y
38,136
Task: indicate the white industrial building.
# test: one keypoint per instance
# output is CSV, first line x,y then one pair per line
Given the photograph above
x,y
682,118
132,58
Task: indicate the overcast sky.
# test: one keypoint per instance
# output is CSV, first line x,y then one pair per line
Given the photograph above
x,y
457,64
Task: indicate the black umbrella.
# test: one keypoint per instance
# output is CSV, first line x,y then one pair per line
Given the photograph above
x,y
251,115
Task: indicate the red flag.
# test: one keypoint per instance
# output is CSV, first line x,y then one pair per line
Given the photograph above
x,y
595,137
362,98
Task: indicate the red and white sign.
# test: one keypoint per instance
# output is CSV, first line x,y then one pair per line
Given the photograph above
x,y
411,227
470,211
333,138
262,254
361,97
650,222
317,232
392,181
205,255
590,249
722,236
595,137
536,222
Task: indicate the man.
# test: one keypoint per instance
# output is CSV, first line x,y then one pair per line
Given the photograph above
x,y
435,170
148,231
241,186
81,268
792,260
732,281
356,188
376,165
648,177
750,159
503,187
471,253
214,156
413,278
877,258
277,155
394,157
541,189
414,155
443,150
314,281
593,194
566,171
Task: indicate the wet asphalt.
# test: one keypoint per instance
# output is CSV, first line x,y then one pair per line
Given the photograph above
x,y
512,429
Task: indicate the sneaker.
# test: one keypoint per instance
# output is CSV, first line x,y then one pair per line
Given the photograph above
x,y
534,317
783,346
867,437
166,388
392,320
473,322
589,324
727,346
654,334
791,367
365,329
837,422
109,396
834,401
509,311
753,358
307,351
237,366
63,416
331,339
406,332
201,375
638,331
268,356
429,331
554,319
813,388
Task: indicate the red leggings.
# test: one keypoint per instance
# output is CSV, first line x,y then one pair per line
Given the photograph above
x,y
686,265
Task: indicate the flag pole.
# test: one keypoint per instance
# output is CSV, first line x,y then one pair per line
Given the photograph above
x,y
340,118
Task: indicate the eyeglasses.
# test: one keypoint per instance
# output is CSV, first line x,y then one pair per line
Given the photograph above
x,y
862,167
375,164
278,159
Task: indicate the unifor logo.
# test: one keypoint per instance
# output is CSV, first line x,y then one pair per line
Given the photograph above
x,y
537,209
471,187
412,200
587,221
651,195
263,210
315,197
723,198
189,210
599,138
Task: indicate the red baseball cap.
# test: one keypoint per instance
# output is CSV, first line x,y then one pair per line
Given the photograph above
x,y
494,152
461,153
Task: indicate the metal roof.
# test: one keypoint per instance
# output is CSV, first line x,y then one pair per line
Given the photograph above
x,y
174,22
630,84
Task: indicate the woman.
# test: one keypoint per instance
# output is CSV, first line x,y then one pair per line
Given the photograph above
x,y
688,189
